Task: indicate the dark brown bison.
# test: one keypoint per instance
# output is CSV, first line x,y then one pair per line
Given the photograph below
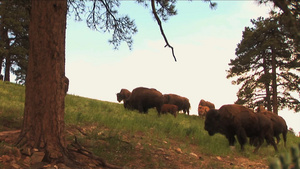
x,y
142,99
182,103
231,120
279,124
169,108
123,95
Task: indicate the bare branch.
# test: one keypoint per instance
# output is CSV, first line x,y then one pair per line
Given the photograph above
x,y
161,28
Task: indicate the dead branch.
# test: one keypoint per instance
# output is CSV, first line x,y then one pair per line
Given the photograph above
x,y
161,28
80,130
7,133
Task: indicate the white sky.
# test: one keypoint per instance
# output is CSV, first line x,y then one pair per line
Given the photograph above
x,y
204,41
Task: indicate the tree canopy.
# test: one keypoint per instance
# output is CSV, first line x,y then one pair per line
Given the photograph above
x,y
266,66
290,10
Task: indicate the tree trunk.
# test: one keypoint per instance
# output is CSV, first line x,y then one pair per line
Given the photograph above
x,y
1,36
268,103
7,68
43,123
5,39
274,83
1,61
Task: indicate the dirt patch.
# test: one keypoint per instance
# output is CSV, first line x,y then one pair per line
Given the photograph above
x,y
128,151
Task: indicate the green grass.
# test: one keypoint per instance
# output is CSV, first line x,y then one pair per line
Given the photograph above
x,y
109,124
187,129
12,98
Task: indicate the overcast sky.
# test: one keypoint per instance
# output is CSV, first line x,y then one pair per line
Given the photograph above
x,y
204,41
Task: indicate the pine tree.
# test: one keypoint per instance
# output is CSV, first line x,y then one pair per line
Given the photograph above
x,y
266,66
46,85
14,42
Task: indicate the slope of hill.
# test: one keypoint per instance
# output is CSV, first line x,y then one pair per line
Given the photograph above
x,y
133,140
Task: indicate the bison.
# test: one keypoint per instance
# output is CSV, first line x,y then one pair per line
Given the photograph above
x,y
123,95
206,103
143,98
204,107
279,124
169,108
231,120
202,110
66,84
182,103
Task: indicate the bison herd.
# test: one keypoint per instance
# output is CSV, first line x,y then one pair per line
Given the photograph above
x,y
230,120
236,120
142,99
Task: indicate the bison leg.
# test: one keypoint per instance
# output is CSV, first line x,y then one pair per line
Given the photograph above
x,y
158,109
145,110
284,138
188,111
254,141
160,112
242,138
175,114
259,143
142,109
231,139
277,138
270,139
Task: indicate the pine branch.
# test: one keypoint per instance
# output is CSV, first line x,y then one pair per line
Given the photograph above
x,y
161,28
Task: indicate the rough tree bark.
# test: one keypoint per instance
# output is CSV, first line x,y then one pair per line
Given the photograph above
x,y
5,39
46,86
274,82
268,103
43,123
7,68
2,35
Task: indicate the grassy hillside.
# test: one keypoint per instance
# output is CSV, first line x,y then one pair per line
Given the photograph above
x,y
128,138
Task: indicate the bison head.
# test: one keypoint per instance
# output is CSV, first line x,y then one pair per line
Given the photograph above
x,y
119,97
212,121
202,110
123,95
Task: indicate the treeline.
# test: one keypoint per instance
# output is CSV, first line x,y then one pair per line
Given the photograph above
x,y
14,41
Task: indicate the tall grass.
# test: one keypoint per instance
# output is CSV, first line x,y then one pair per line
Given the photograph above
x,y
12,98
115,121
185,129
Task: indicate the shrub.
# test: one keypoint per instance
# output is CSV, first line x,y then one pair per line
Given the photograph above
x,y
287,160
